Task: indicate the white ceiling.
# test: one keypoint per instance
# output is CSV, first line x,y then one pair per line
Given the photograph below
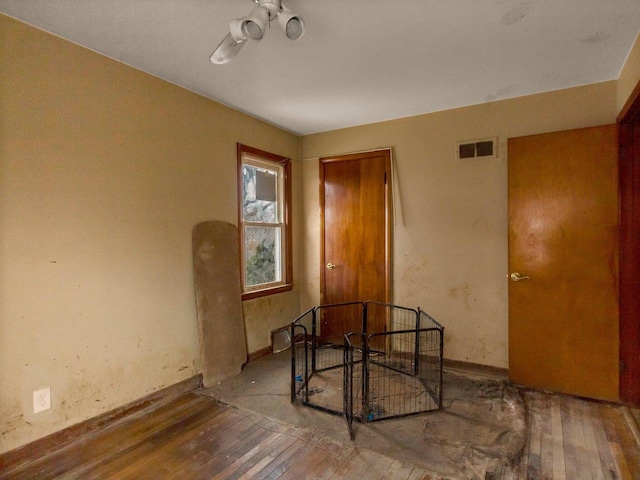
x,y
360,61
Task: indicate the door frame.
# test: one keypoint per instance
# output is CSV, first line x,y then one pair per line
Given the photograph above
x,y
387,215
629,232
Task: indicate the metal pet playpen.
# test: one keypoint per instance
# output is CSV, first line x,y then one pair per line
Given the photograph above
x,y
367,361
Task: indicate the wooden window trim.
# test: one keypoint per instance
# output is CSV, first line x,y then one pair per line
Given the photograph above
x,y
288,253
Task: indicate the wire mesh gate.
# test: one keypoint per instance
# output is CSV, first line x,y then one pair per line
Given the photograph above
x,y
367,361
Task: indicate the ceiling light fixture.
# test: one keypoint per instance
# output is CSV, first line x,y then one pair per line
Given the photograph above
x,y
253,26
292,24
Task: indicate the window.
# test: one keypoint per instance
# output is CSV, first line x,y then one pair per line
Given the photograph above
x,y
264,206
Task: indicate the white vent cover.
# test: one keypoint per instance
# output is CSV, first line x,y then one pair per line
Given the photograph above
x,y
480,148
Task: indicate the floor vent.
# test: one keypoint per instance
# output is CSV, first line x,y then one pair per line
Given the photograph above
x,y
482,148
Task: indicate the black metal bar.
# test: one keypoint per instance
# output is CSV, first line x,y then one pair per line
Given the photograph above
x,y
306,371
294,360
322,409
406,360
416,350
293,363
365,364
314,336
300,317
441,333
438,325
401,415
348,385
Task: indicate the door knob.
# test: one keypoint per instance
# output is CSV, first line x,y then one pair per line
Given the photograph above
x,y
330,266
516,277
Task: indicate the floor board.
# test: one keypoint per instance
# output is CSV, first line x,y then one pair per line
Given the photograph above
x,y
579,440
192,437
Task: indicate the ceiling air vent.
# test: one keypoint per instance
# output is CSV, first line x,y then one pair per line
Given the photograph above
x,y
482,148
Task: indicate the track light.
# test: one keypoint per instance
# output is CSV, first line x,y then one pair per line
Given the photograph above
x,y
254,25
235,30
292,24
273,7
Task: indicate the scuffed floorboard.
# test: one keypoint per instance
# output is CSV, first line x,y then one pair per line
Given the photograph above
x,y
576,439
193,437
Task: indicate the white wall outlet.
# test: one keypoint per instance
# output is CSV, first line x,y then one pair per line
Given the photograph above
x,y
41,400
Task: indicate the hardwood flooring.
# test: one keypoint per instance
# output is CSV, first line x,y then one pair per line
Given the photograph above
x,y
571,438
192,437
635,413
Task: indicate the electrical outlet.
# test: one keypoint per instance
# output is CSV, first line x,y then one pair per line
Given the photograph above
x,y
42,400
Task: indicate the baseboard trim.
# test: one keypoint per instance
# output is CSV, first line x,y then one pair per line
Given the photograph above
x,y
476,369
263,352
57,440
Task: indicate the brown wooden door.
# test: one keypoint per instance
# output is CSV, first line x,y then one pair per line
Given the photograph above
x,y
356,236
563,219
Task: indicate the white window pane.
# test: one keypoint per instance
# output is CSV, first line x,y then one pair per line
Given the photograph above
x,y
259,195
262,255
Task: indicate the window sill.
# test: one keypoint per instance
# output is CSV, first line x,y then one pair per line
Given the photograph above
x,y
267,291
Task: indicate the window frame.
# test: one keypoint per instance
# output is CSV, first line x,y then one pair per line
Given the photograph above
x,y
286,282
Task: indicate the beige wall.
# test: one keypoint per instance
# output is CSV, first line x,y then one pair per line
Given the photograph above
x,y
104,171
629,75
450,251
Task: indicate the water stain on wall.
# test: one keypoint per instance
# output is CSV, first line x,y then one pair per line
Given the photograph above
x,y
81,391
10,420
462,292
414,279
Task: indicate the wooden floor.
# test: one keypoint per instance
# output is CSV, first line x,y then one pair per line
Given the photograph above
x,y
192,437
570,438
195,438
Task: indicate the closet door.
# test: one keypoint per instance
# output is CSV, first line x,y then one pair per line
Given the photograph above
x,y
563,254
